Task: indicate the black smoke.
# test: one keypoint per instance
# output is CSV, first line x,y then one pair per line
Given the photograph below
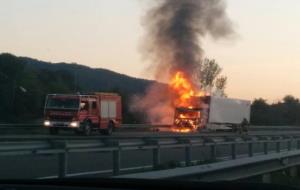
x,y
175,29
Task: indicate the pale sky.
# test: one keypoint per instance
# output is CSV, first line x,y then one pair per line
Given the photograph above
x,y
261,61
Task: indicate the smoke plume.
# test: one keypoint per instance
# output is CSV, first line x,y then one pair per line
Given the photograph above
x,y
175,29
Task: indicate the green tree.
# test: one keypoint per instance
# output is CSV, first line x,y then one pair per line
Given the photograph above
x,y
291,110
221,84
11,69
259,112
23,89
285,112
209,77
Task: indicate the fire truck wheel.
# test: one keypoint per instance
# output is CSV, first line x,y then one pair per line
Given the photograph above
x,y
109,129
53,131
87,129
77,132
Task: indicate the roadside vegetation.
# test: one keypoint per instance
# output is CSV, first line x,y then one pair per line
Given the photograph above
x,y
284,112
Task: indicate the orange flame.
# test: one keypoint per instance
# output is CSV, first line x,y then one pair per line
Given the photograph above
x,y
184,90
181,130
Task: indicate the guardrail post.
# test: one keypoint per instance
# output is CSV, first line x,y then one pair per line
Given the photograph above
x,y
289,144
156,157
265,147
187,150
63,165
298,144
266,178
155,152
293,171
278,146
213,152
233,151
116,155
250,149
62,158
187,155
116,161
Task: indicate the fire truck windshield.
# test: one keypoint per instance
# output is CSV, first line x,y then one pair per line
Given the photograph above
x,y
63,103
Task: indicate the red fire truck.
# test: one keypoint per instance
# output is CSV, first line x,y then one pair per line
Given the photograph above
x,y
83,113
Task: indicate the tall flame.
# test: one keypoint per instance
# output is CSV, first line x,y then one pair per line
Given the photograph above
x,y
184,90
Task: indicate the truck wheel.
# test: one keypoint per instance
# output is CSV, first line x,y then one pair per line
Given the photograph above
x,y
53,131
87,129
109,129
77,132
245,129
240,129
234,129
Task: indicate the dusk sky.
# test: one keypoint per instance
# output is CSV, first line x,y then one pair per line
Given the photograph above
x,y
260,60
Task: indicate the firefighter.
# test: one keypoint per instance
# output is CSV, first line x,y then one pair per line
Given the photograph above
x,y
244,125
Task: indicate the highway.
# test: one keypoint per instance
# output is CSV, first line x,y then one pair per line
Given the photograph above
x,y
29,166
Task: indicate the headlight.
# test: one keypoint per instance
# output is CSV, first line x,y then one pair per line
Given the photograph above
x,y
74,124
47,123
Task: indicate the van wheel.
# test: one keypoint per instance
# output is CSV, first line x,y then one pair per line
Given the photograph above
x,y
87,129
53,131
109,129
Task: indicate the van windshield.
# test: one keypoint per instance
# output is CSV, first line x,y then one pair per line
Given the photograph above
x,y
63,103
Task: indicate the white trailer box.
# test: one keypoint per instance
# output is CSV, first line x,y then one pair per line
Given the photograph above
x,y
228,111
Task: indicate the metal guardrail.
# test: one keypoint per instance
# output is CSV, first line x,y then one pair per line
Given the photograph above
x,y
228,170
20,124
37,128
116,147
145,125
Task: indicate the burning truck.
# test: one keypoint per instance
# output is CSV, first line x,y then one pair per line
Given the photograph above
x,y
197,110
213,113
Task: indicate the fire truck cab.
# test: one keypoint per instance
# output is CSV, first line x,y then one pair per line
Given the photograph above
x,y
83,113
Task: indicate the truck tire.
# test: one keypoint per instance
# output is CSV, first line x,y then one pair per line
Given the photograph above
x,y
53,131
77,132
108,131
245,129
87,130
235,128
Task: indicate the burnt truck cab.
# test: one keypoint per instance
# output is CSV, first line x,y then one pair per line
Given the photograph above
x,y
83,113
188,118
192,118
